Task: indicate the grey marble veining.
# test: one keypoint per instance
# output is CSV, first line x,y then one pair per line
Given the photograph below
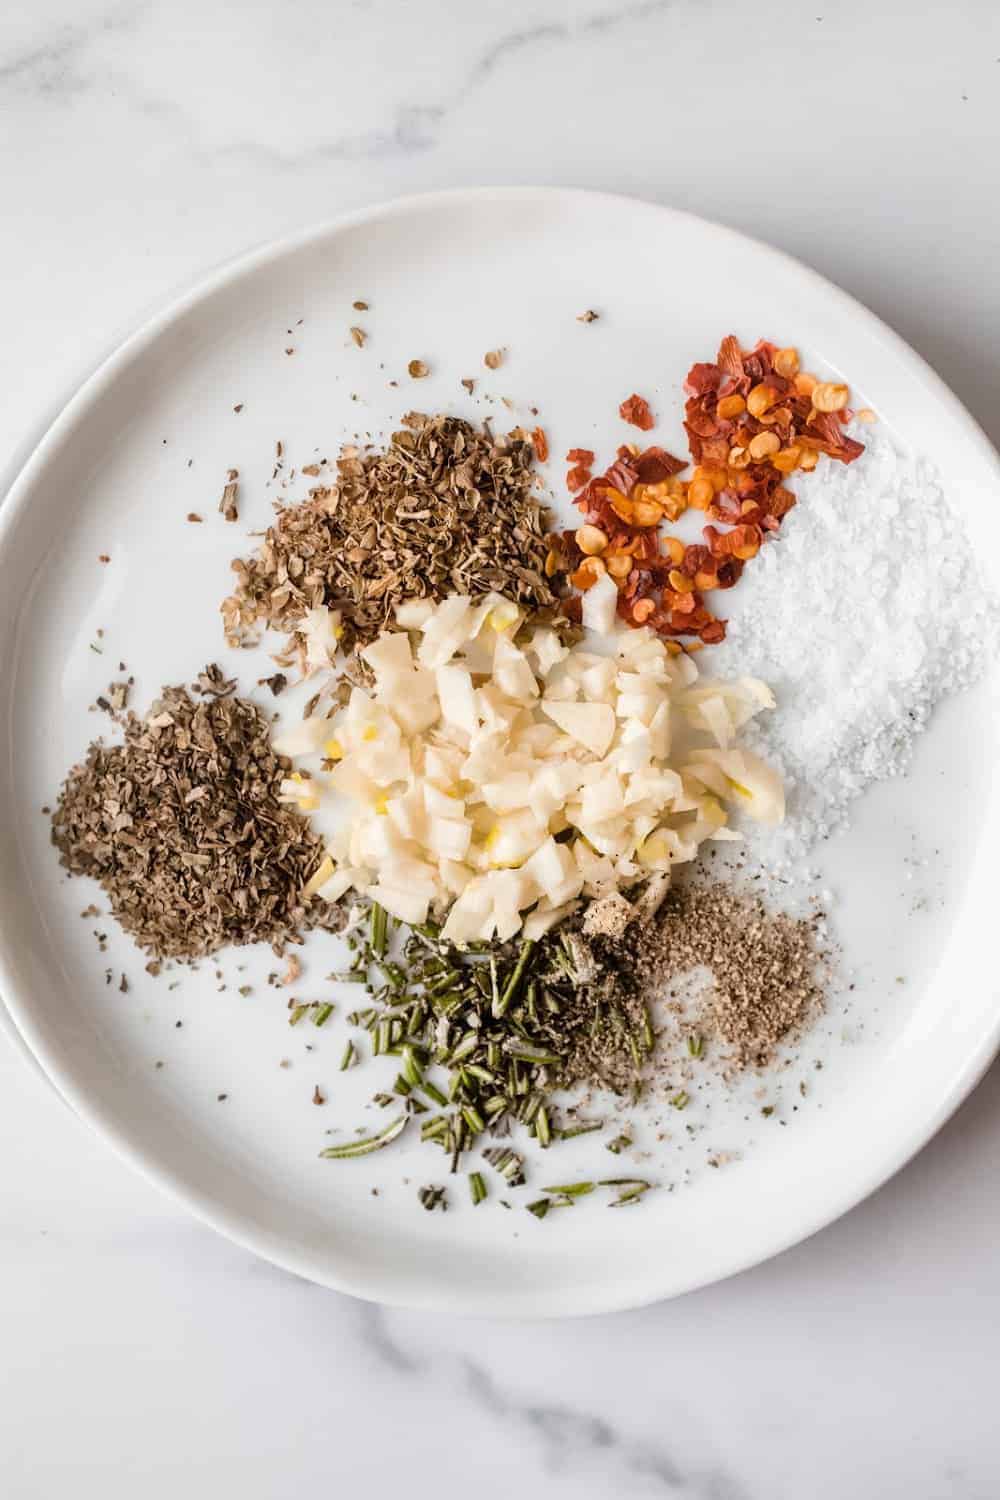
x,y
141,143
561,1432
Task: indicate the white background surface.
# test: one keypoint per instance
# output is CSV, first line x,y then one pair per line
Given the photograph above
x,y
140,144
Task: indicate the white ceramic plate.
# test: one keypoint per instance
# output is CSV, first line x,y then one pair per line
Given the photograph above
x,y
148,438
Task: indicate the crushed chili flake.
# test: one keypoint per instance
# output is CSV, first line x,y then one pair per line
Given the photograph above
x,y
752,418
636,411
541,444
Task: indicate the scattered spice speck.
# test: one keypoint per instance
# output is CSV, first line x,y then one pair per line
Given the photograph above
x,y
229,503
541,445
417,369
636,411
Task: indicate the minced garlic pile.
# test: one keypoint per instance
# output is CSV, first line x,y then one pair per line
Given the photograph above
x,y
498,775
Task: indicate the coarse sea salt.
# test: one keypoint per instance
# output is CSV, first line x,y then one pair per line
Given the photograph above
x,y
866,611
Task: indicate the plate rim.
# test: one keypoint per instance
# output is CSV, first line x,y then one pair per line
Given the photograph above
x,y
15,1011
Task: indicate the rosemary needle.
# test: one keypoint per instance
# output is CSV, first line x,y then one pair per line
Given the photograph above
x,y
369,1143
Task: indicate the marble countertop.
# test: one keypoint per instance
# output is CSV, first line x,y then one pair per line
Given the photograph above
x,y
143,143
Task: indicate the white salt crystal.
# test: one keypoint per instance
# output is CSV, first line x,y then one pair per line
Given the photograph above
x,y
866,610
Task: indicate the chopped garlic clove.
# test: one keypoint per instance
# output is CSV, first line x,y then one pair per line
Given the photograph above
x,y
590,724
600,606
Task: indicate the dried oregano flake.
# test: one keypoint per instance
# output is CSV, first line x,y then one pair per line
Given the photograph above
x,y
182,827
446,508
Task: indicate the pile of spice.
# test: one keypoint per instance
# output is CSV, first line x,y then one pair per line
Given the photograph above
x,y
182,826
763,970
484,1035
896,615
753,417
446,508
510,1023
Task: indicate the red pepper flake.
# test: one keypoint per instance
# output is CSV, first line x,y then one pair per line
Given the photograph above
x,y
637,413
752,417
713,632
541,444
656,464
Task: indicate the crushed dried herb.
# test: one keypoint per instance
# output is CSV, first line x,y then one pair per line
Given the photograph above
x,y
229,504
446,508
182,826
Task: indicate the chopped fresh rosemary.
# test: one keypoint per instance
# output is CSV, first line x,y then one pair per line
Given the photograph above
x,y
507,1163
632,1189
580,1127
367,1144
482,1037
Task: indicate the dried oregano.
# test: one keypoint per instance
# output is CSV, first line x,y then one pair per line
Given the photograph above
x,y
446,508
182,826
